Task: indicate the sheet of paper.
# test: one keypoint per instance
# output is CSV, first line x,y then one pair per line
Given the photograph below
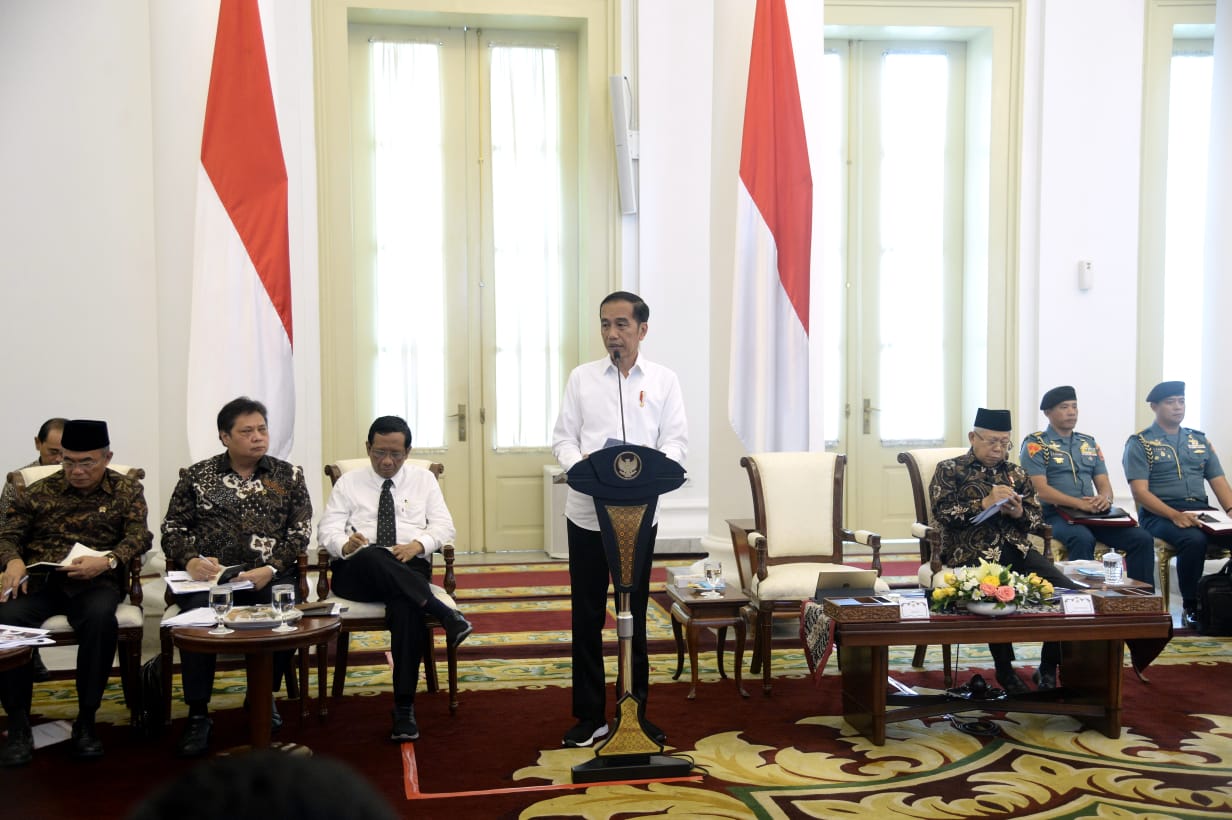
x,y
48,734
202,616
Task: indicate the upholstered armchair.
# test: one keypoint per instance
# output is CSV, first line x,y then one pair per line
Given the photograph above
x,y
799,534
129,614
921,465
370,617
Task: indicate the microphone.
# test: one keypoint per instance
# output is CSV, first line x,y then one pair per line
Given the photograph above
x,y
620,391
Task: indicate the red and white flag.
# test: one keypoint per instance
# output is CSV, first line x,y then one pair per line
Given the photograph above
x,y
768,397
240,341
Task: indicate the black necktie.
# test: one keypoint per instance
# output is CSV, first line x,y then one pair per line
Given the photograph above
x,y
386,529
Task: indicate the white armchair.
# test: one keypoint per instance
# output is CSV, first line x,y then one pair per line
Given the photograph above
x,y
361,616
797,511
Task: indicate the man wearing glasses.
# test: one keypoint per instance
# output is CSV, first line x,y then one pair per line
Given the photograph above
x,y
241,508
381,526
84,504
966,486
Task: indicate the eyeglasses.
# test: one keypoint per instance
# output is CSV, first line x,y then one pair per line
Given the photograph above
x,y
393,455
997,443
87,464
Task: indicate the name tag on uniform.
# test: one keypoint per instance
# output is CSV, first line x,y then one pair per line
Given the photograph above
x,y
1077,605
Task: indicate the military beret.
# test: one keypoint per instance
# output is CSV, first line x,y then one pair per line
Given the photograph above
x,y
84,434
1057,395
995,420
1163,390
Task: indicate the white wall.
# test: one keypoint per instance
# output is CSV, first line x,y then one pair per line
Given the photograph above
x,y
673,225
1086,81
79,308
97,217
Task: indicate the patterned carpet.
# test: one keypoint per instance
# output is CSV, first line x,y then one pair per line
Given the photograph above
x,y
786,756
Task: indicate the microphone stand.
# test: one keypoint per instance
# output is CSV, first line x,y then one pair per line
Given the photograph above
x,y
620,391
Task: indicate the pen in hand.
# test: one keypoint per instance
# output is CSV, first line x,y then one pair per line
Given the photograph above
x,y
10,593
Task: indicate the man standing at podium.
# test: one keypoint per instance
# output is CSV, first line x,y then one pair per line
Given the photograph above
x,y
621,398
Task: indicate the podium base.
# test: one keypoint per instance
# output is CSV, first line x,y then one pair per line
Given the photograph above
x,y
649,767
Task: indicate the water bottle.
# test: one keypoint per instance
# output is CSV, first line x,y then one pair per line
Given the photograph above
x,y
1112,567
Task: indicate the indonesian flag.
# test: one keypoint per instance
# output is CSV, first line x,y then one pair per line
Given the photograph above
x,y
240,340
769,389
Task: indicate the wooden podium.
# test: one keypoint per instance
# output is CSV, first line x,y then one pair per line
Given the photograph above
x,y
625,482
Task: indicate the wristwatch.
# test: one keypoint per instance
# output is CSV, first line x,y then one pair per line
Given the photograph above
x,y
113,560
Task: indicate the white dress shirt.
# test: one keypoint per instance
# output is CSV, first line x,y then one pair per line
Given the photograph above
x,y
419,510
590,416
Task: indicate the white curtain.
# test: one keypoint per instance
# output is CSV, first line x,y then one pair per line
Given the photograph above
x,y
408,242
527,238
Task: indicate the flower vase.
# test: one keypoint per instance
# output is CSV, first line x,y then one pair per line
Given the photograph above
x,y
989,608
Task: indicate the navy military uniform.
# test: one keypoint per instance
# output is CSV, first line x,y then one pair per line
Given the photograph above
x,y
1176,468
1070,466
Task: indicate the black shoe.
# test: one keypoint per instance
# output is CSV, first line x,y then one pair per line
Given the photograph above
x,y
196,738
585,733
275,718
86,744
1044,681
18,750
456,628
405,728
654,732
1189,619
1011,683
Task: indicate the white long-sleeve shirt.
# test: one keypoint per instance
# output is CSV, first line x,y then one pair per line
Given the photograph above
x,y
590,416
419,510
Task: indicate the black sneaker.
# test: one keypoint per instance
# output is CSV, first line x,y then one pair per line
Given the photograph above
x,y
18,750
1189,619
585,733
86,744
457,628
1011,683
196,738
405,728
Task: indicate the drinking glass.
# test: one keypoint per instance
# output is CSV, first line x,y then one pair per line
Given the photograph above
x,y
284,602
714,574
220,601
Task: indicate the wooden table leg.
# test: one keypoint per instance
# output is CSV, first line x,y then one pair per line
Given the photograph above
x,y
1091,674
322,677
260,697
722,640
692,632
864,670
740,656
766,631
677,616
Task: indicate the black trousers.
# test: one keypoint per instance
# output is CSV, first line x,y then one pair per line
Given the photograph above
x,y
588,580
92,614
197,668
375,575
1013,559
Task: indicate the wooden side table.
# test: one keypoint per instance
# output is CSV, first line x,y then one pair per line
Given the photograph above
x,y
693,612
258,646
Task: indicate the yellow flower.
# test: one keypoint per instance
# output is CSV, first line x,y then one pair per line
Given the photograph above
x,y
991,580
941,593
950,579
1046,587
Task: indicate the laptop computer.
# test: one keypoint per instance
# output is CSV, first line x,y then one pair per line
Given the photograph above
x,y
845,583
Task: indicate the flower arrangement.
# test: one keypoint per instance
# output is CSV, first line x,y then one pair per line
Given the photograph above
x,y
991,584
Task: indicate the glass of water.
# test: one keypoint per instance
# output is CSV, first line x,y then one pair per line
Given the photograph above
x,y
714,574
284,602
220,602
